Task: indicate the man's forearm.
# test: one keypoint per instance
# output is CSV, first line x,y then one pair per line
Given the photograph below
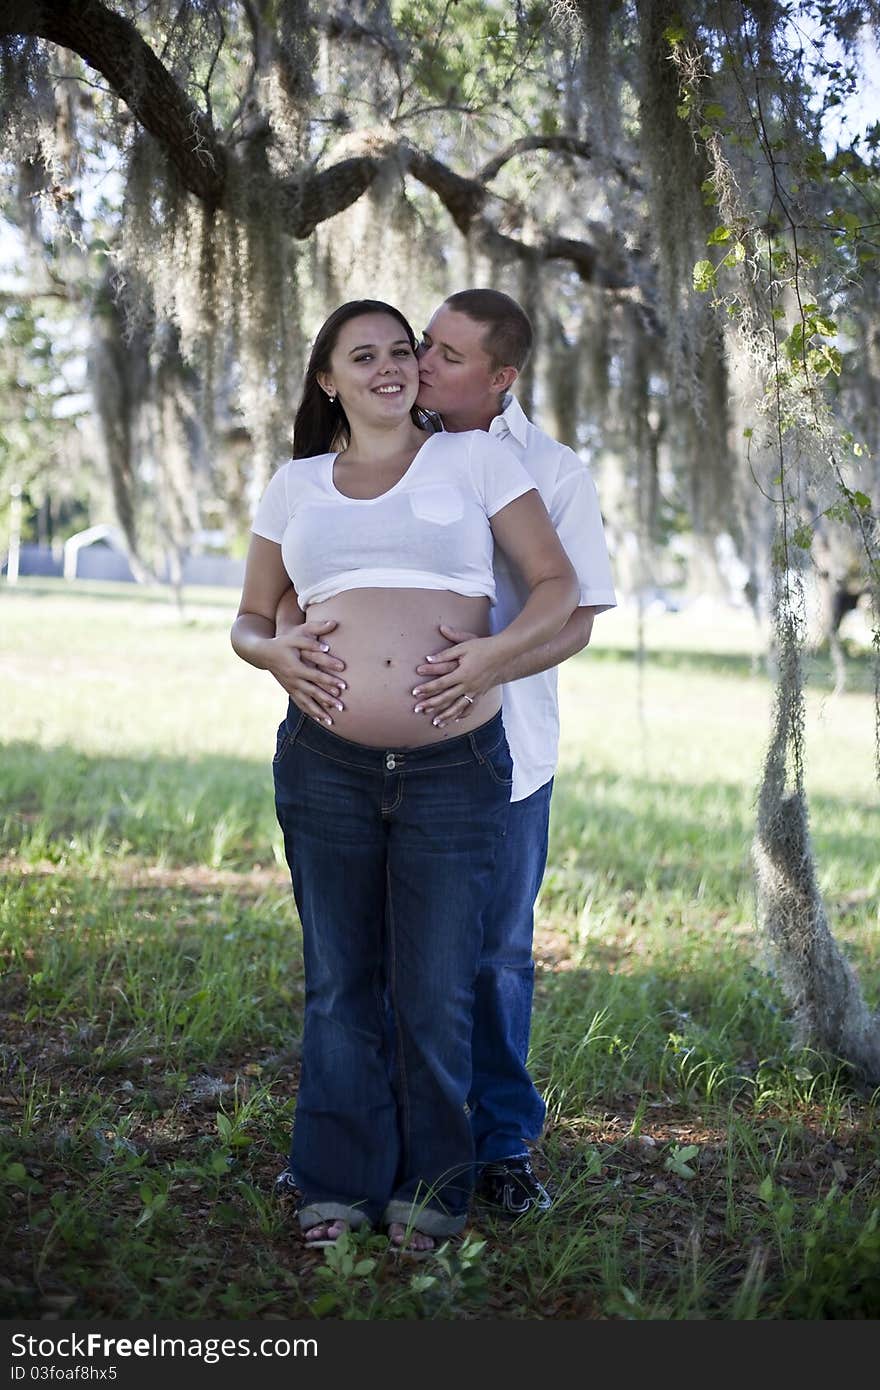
x,y
289,615
572,638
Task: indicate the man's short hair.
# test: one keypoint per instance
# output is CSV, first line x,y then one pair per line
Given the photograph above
x,y
509,334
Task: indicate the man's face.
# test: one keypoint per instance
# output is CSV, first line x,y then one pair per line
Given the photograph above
x,y
456,374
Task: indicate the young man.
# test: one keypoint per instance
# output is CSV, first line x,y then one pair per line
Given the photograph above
x,y
472,351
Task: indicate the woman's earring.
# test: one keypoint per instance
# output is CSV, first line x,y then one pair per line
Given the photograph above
x,y
331,396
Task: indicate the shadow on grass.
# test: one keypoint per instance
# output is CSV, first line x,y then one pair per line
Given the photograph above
x,y
818,670
623,833
691,840
61,802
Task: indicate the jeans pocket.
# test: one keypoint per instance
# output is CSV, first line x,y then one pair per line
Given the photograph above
x,y
500,764
287,733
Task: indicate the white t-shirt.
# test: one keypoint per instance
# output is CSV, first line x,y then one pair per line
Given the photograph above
x,y
530,707
429,531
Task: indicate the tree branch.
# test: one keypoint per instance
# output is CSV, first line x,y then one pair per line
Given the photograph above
x,y
315,196
561,144
113,47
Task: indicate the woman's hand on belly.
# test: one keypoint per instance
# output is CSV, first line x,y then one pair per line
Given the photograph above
x,y
302,663
460,675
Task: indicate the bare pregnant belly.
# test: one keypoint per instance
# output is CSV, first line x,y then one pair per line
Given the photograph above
x,y
382,635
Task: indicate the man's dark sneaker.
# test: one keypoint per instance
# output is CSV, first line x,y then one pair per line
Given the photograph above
x,y
512,1188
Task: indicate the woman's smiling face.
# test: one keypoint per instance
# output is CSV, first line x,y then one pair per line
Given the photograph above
x,y
373,370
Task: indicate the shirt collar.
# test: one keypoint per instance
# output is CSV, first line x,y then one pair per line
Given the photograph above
x,y
511,420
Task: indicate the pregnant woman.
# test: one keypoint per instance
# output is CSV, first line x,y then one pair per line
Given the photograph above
x,y
391,820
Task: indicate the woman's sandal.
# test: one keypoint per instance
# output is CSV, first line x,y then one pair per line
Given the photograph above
x,y
400,1242
319,1242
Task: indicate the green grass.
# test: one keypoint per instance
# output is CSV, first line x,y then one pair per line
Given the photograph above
x,y
153,986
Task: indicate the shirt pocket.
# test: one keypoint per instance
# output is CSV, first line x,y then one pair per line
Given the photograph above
x,y
438,503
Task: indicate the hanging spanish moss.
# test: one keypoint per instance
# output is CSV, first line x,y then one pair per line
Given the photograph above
x,y
676,171
119,376
793,456
291,87
372,247
601,81
594,356
258,284
829,1011
529,294
561,379
178,452
221,276
37,134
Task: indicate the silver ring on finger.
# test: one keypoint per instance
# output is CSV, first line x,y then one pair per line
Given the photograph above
x,y
468,699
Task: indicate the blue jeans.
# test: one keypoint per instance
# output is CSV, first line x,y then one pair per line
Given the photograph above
x,y
392,856
507,1112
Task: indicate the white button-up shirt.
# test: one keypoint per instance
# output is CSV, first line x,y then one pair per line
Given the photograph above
x,y
530,707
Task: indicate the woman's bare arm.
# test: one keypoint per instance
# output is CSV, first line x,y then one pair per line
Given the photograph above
x,y
299,657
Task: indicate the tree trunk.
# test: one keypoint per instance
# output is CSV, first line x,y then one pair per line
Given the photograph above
x,y
830,1013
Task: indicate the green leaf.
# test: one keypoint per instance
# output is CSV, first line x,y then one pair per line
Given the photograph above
x,y
364,1267
862,501
826,359
736,254
16,1172
803,536
714,112
719,234
674,34
678,1161
765,1191
704,276
324,1304
419,1283
747,433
